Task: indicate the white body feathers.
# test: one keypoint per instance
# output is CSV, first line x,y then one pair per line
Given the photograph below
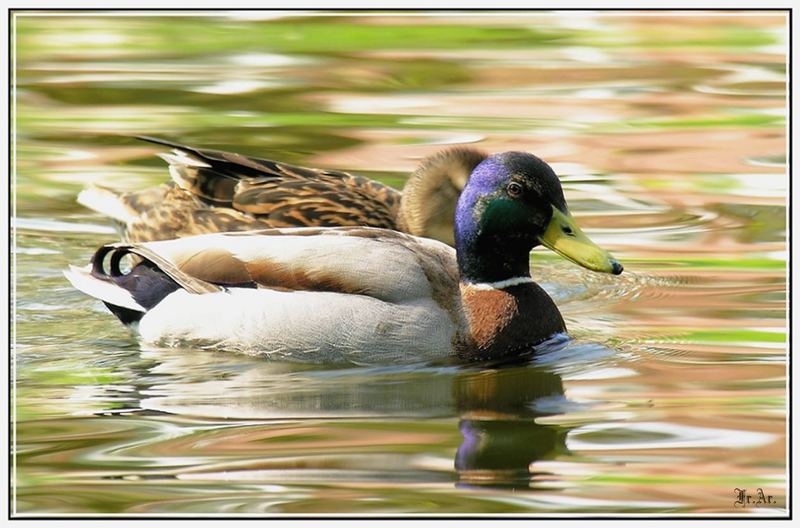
x,y
355,294
309,326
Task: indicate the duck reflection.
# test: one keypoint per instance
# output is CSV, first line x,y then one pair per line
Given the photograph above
x,y
496,406
501,439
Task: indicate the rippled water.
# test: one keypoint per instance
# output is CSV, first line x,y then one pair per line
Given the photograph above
x,y
668,131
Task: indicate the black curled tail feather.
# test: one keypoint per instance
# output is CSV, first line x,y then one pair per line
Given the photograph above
x,y
146,284
150,258
149,281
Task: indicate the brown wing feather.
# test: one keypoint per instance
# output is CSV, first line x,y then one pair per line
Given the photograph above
x,y
278,194
219,266
311,259
326,200
178,214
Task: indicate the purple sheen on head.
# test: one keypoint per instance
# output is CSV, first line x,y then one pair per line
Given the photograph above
x,y
488,173
490,176
483,180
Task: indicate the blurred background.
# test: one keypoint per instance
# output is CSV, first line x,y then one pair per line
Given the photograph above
x,y
668,130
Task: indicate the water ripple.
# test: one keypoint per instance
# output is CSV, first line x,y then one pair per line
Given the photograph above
x,y
661,435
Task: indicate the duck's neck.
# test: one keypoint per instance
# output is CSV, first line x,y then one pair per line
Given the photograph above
x,y
491,259
506,311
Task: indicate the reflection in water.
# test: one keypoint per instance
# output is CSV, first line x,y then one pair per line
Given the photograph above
x,y
497,407
498,411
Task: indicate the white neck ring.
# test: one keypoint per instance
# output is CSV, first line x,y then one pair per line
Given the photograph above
x,y
500,285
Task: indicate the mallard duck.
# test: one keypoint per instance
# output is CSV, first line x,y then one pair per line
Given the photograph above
x,y
216,191
360,293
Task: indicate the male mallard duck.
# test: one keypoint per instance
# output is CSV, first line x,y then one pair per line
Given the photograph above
x,y
217,191
359,293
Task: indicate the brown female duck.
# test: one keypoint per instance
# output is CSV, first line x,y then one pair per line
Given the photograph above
x,y
215,191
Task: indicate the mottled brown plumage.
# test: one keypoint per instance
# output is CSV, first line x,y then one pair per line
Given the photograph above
x,y
216,191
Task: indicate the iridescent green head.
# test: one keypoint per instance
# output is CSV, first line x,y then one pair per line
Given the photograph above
x,y
512,203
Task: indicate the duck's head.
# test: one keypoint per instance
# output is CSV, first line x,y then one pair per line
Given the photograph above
x,y
512,203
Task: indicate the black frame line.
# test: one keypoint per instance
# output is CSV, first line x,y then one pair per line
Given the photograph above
x,y
344,11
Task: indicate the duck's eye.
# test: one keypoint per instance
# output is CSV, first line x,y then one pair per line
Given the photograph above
x,y
514,189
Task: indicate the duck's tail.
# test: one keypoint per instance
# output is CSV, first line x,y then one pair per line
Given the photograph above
x,y
129,295
118,299
108,203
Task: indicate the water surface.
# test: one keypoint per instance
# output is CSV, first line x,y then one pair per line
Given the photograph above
x,y
668,132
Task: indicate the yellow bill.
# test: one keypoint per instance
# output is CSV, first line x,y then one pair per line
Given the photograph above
x,y
565,238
